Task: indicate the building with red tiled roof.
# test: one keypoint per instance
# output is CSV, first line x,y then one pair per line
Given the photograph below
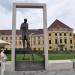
x,y
60,37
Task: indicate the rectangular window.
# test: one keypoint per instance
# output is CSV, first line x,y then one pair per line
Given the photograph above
x,y
65,41
64,34
33,40
19,42
70,34
49,34
49,41
65,48
55,41
55,34
60,40
60,34
34,48
50,47
6,38
71,41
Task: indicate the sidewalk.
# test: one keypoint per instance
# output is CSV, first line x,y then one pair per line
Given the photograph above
x,y
64,72
8,71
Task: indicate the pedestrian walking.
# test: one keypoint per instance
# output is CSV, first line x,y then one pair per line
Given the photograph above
x,y
3,58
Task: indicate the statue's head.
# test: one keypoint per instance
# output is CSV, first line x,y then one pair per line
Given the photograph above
x,y
25,20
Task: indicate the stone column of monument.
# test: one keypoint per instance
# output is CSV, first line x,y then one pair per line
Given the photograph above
x,y
29,5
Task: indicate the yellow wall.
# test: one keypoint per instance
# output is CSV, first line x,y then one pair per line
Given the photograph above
x,y
74,41
36,38
55,46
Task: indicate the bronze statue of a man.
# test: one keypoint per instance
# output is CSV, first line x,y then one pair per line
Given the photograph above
x,y
24,31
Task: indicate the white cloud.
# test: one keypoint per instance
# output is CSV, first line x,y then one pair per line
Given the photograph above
x,y
56,9
64,11
5,21
34,17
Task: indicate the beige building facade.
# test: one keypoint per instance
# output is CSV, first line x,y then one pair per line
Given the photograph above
x,y
60,37
74,39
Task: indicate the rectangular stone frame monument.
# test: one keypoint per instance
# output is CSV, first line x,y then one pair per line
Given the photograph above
x,y
29,5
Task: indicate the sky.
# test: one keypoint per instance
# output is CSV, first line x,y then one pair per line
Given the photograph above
x,y
63,10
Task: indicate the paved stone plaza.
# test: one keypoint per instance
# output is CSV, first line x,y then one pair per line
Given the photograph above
x,y
9,71
62,72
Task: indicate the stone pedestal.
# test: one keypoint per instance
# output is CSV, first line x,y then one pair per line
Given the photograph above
x,y
29,65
